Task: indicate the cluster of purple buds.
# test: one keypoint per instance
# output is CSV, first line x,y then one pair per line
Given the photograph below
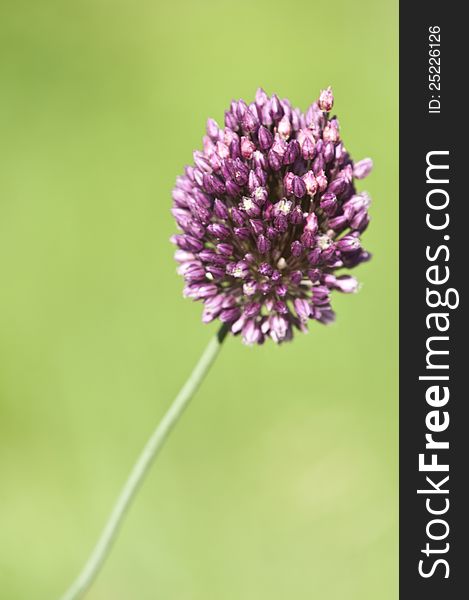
x,y
268,215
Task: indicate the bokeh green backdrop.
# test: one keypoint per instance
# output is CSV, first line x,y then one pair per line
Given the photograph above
x,y
281,480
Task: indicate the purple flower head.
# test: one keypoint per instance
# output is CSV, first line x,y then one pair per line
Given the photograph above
x,y
269,218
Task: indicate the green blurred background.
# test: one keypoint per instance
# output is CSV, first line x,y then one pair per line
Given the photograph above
x,y
281,480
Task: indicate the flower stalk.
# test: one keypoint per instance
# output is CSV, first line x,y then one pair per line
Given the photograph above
x,y
141,468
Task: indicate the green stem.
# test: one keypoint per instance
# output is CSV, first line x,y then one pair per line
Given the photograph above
x,y
141,467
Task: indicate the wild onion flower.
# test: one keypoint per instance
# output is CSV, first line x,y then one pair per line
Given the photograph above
x,y
268,215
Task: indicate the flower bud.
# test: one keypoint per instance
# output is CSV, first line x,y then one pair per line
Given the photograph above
x,y
362,168
296,248
348,243
212,129
284,128
311,183
298,187
220,231
328,204
275,161
302,308
220,209
292,153
263,244
308,149
247,147
265,138
326,99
